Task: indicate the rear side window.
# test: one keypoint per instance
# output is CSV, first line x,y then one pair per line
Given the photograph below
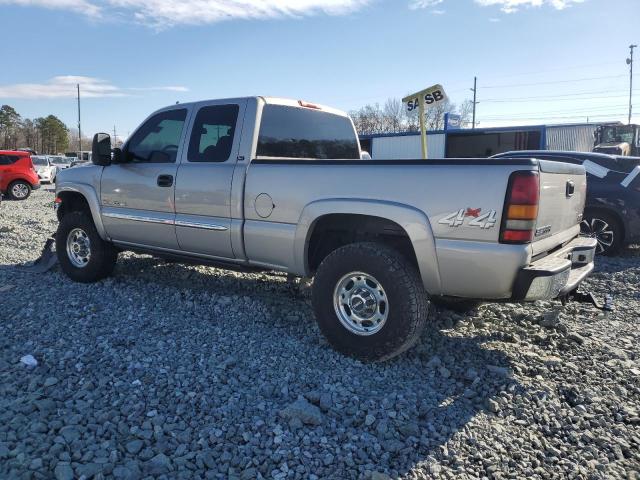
x,y
158,139
292,132
212,134
8,159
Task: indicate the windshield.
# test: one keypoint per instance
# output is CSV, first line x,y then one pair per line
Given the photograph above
x,y
617,134
40,161
60,160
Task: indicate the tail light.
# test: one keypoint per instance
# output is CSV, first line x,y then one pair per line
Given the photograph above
x,y
520,208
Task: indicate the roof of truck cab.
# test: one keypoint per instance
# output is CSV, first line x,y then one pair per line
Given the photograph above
x,y
289,102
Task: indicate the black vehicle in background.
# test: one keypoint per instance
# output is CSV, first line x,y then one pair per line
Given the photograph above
x,y
612,210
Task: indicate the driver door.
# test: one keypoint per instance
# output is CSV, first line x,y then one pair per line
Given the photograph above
x,y
137,196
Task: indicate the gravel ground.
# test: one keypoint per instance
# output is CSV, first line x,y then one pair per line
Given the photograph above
x,y
172,371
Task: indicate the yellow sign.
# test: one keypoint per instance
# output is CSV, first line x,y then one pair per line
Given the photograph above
x,y
427,98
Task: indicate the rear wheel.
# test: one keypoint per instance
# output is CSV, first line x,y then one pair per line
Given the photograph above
x,y
606,229
369,301
19,190
82,254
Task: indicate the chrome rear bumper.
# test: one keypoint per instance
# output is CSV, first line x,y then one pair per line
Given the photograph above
x,y
556,274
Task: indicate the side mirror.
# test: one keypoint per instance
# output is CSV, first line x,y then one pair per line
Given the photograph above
x,y
101,149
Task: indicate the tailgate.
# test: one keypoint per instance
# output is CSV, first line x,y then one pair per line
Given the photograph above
x,y
563,189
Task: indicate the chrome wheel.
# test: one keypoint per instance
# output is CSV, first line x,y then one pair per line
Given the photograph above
x,y
20,191
361,303
78,248
600,230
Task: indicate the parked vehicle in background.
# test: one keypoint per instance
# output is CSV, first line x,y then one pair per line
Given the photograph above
x,y
612,211
26,149
617,140
17,174
60,161
276,184
45,168
75,162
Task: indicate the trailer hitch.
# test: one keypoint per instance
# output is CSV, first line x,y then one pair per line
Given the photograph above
x,y
47,259
590,298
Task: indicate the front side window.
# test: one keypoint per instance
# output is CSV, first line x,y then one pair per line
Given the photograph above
x,y
212,134
158,139
293,132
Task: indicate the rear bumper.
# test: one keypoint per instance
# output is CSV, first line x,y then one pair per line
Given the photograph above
x,y
556,274
35,186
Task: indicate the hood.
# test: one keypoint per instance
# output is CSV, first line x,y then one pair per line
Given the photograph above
x,y
615,148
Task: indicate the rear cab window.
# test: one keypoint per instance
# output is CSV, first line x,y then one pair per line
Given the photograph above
x,y
298,132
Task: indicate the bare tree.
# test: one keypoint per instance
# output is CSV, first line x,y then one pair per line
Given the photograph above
x,y
395,117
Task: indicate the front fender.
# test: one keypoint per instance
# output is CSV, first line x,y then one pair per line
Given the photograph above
x,y
414,222
91,196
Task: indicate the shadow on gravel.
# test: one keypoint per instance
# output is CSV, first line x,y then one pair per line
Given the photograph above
x,y
201,363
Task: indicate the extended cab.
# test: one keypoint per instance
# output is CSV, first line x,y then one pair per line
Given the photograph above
x,y
275,184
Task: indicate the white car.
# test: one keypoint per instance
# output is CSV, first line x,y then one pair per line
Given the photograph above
x,y
60,161
45,168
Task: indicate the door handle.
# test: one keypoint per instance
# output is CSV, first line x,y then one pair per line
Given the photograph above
x,y
570,189
165,180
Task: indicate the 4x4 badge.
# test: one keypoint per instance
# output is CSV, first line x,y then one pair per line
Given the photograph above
x,y
478,219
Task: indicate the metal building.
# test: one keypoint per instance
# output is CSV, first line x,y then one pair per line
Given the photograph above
x,y
480,142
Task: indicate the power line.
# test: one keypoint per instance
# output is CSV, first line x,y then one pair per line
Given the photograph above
x,y
547,117
554,82
556,97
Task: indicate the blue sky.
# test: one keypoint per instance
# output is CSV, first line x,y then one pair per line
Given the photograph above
x,y
537,61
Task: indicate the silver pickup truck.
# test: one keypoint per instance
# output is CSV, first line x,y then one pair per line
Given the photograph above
x,y
276,184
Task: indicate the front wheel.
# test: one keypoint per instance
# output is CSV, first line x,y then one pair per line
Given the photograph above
x,y
82,254
369,301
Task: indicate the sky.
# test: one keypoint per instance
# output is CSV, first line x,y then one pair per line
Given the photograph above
x,y
537,61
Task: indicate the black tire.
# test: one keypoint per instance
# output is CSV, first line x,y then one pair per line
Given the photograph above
x,y
606,229
103,255
408,303
25,186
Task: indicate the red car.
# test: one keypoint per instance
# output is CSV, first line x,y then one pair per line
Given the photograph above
x,y
17,175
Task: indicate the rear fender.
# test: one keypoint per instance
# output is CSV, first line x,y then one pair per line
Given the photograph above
x,y
414,222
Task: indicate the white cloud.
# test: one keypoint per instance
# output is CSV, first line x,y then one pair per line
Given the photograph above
x,y
164,13
438,12
415,4
80,6
507,6
511,6
65,87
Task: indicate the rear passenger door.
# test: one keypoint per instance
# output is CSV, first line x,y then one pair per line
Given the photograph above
x,y
203,184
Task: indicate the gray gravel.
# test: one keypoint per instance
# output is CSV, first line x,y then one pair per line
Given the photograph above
x,y
172,371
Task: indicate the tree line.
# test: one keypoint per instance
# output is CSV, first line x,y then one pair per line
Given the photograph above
x,y
393,117
47,135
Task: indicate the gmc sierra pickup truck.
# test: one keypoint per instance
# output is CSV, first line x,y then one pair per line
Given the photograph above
x,y
276,184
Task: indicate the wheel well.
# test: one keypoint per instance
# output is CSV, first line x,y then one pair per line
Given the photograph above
x,y
611,213
72,202
333,231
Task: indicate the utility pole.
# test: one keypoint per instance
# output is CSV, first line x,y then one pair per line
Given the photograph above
x,y
630,63
115,139
79,130
474,90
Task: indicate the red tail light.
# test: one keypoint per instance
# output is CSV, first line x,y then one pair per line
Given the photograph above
x,y
520,208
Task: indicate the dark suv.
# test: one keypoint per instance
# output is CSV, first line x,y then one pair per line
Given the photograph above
x,y
612,210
